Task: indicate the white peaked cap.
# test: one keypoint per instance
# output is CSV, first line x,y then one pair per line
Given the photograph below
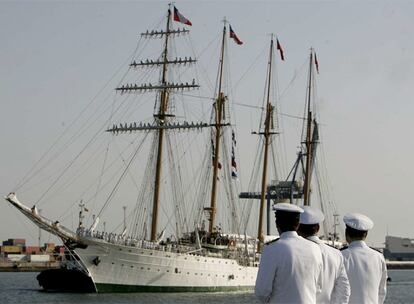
x,y
287,207
311,216
358,221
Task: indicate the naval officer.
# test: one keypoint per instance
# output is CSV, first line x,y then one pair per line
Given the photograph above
x,y
366,268
335,284
290,268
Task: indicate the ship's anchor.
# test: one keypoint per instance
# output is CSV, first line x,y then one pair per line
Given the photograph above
x,y
96,261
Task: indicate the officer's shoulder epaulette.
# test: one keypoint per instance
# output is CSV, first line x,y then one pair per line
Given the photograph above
x,y
272,241
343,248
376,249
332,246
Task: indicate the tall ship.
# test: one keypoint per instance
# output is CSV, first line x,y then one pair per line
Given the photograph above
x,y
185,232
188,226
306,182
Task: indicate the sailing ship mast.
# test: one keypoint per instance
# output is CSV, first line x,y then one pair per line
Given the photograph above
x,y
308,141
219,110
266,134
160,117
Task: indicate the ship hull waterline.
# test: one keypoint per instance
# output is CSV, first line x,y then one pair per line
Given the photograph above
x,y
120,268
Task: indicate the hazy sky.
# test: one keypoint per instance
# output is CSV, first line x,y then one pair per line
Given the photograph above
x,y
55,56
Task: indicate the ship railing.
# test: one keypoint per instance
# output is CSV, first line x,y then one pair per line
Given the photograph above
x,y
123,240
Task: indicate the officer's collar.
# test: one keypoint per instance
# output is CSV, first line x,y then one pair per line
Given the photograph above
x,y
355,244
288,234
314,238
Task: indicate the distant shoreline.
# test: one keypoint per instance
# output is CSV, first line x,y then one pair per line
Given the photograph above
x,y
28,267
400,264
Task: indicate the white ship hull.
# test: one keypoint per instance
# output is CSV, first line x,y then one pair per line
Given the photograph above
x,y
118,268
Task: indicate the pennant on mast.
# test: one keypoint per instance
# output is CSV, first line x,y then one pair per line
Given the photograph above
x,y
234,173
180,18
234,36
279,48
316,62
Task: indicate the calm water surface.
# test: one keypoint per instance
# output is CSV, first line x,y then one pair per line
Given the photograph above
x,y
18,287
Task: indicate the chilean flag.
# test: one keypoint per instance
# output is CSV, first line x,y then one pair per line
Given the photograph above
x,y
234,36
180,18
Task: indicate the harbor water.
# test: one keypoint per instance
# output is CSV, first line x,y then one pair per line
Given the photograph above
x,y
22,287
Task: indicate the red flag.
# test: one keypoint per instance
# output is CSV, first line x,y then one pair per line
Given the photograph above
x,y
316,63
234,36
279,47
180,18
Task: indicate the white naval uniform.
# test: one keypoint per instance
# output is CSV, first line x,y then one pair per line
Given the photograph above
x,y
290,271
367,273
335,284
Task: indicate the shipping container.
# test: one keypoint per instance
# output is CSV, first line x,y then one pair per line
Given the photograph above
x,y
33,250
19,242
49,247
39,258
17,257
11,249
14,242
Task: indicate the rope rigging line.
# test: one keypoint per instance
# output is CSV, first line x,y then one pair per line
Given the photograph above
x,y
145,189
253,184
30,174
93,139
177,187
88,187
120,179
84,168
204,70
260,55
232,200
